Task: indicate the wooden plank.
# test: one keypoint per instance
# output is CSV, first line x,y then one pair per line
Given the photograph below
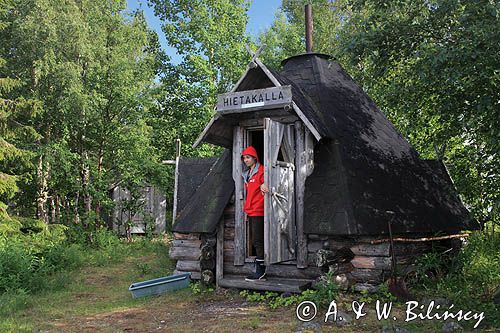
x,y
300,175
268,73
239,222
219,269
188,265
279,232
176,178
238,101
271,284
306,121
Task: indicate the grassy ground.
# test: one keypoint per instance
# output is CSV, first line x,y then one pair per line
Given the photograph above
x,y
95,299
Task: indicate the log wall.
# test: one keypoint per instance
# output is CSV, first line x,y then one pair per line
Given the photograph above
x,y
371,263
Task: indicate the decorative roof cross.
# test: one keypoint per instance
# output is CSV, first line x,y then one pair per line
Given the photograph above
x,y
255,54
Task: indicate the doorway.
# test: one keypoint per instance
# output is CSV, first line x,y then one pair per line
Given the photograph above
x,y
253,137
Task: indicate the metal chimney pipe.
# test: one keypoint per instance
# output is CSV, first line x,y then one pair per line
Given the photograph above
x,y
309,28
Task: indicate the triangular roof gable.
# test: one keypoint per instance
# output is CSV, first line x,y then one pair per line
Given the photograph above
x,y
256,76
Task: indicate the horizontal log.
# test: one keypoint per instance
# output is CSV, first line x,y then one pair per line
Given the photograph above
x,y
315,245
207,252
194,275
366,275
229,233
178,235
337,269
207,277
276,270
229,223
184,253
328,257
207,263
229,209
228,244
317,237
188,265
383,250
187,242
371,262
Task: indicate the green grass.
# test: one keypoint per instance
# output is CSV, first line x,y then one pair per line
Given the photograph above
x,y
99,286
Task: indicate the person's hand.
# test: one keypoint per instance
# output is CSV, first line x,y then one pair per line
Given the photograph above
x,y
264,189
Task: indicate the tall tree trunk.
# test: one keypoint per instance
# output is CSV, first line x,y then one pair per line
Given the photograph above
x,y
75,208
99,173
42,196
87,198
58,209
52,209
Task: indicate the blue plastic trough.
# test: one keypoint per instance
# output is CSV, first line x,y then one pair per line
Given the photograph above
x,y
160,285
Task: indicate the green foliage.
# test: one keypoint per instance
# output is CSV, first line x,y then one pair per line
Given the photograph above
x,y
93,96
382,294
469,280
197,288
432,68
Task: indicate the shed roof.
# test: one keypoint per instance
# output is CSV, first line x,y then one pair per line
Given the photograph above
x,y
204,188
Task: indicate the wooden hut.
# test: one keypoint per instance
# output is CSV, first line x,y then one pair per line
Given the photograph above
x,y
151,216
338,171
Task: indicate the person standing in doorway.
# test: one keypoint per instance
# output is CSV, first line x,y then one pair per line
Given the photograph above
x,y
254,207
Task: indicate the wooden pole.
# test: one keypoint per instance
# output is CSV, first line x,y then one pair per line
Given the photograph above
x,y
176,177
423,239
309,28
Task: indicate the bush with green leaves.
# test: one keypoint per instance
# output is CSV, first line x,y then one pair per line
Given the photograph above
x,y
470,280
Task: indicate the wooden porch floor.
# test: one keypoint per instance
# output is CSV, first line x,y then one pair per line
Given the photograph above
x,y
271,284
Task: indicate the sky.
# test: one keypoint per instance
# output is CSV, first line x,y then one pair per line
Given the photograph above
x,y
261,15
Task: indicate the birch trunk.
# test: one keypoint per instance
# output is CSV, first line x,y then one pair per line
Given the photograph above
x,y
42,196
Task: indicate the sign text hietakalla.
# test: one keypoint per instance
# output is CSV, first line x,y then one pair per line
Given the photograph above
x,y
274,96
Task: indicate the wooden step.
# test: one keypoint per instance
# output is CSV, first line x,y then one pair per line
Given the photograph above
x,y
271,284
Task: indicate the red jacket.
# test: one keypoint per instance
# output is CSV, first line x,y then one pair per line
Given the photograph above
x,y
254,204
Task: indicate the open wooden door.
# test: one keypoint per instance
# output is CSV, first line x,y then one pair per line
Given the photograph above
x,y
279,165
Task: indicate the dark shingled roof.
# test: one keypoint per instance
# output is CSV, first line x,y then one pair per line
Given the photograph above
x,y
204,188
363,166
192,171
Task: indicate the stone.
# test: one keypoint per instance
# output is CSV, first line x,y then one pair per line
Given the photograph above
x,y
394,329
342,281
359,287
343,318
309,326
442,302
451,327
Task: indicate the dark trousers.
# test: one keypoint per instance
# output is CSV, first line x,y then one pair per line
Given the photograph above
x,y
257,225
